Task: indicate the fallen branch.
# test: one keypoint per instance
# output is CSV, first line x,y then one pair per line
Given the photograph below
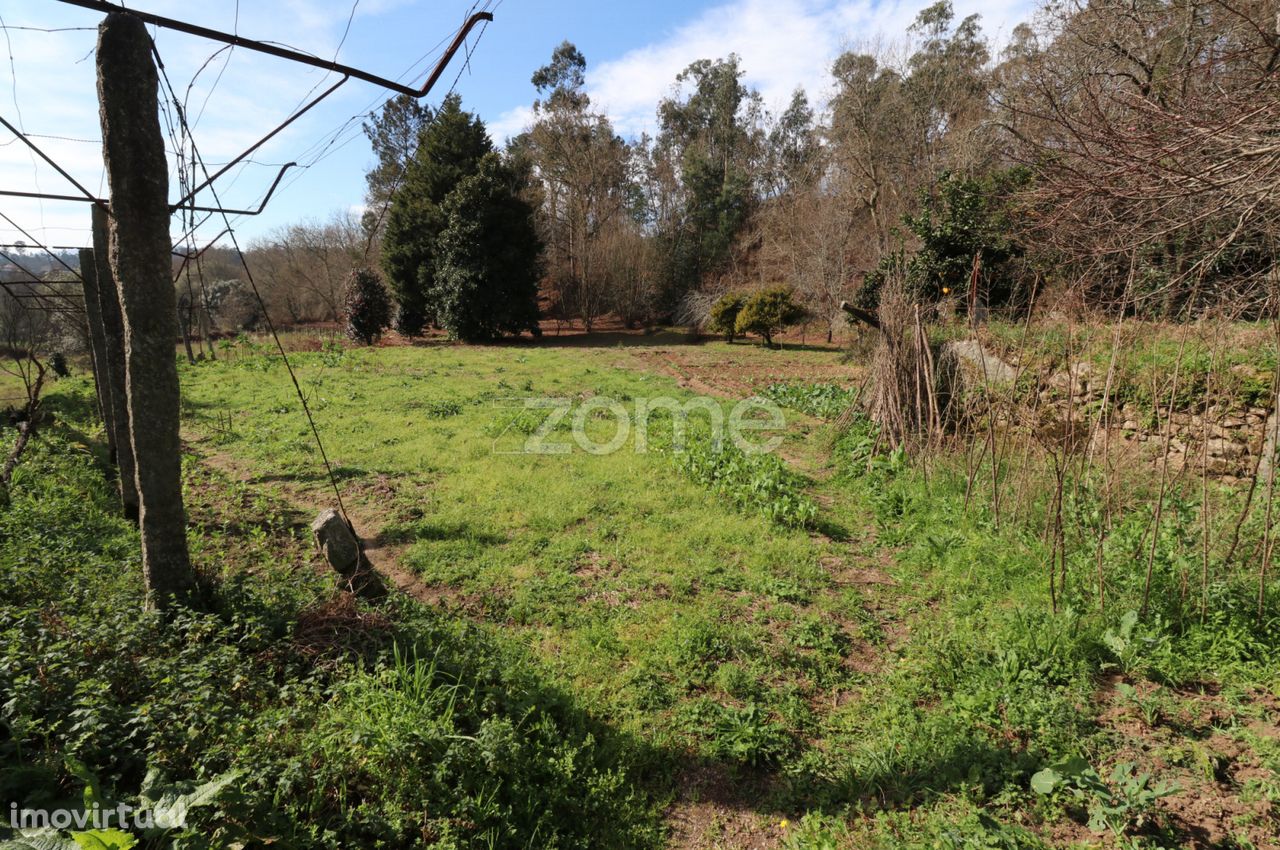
x,y
864,316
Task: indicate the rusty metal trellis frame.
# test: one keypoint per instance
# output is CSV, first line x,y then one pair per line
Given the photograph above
x,y
285,53
45,196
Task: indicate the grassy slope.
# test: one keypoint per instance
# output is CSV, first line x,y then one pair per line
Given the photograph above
x,y
337,726
898,676
822,673
629,579
1232,363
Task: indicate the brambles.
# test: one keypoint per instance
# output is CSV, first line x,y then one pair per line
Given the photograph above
x,y
366,308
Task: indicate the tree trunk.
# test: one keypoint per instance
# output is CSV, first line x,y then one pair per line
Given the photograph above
x,y
206,332
113,329
138,175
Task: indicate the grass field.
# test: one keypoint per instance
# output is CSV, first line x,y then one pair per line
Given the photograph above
x,y
804,650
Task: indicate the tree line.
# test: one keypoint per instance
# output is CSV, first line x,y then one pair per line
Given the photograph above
x,y
1113,155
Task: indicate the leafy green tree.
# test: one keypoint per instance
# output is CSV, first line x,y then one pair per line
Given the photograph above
x,y
895,126
709,138
366,309
768,312
581,169
793,155
724,315
960,218
487,257
563,80
948,76
451,148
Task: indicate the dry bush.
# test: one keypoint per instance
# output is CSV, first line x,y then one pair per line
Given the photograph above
x,y
1151,128
905,401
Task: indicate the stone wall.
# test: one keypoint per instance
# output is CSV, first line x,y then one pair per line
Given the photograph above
x,y
1227,440
1230,441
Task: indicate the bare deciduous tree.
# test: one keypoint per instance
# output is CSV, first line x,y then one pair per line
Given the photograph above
x,y
26,331
1153,129
303,267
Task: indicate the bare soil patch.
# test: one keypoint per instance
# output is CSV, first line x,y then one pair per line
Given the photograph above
x,y
1192,742
711,812
746,368
371,520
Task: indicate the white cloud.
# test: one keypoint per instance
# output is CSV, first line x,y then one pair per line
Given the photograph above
x,y
783,44
511,123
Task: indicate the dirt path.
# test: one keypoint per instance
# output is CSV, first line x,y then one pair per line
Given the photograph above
x,y
663,362
384,552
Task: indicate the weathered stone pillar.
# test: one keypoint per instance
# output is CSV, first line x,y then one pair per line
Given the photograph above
x,y
97,344
138,174
113,330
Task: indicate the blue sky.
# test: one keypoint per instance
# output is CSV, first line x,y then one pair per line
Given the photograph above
x,y
634,51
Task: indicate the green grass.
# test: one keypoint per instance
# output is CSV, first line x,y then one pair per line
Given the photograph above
x,y
332,725
13,393
620,569
884,673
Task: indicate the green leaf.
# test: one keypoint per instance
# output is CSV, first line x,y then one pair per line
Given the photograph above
x,y
104,839
1099,821
169,809
1046,781
92,789
1073,767
38,839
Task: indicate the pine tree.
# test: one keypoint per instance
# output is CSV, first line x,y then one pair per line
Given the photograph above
x,y
450,150
394,135
487,258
